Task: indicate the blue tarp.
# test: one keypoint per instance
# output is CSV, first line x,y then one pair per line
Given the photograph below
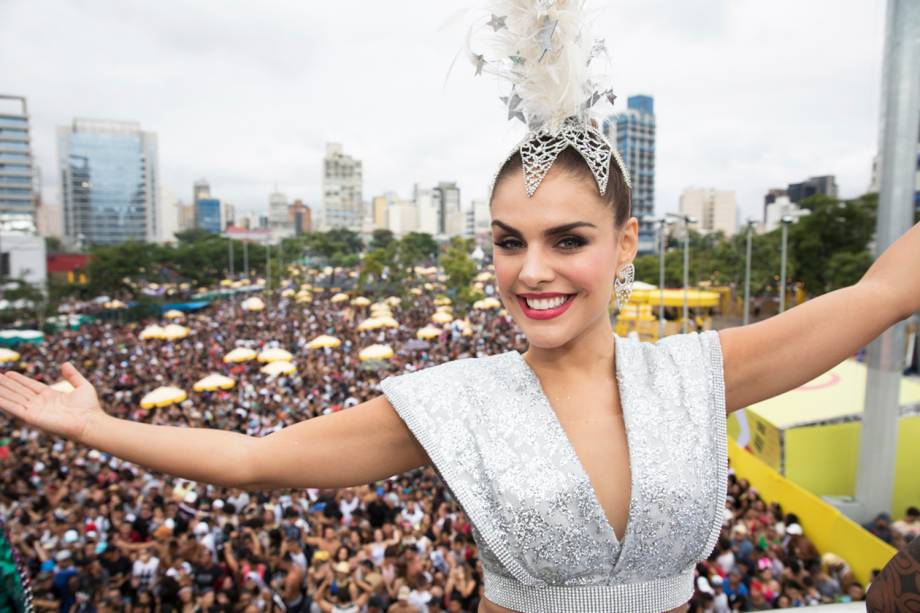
x,y
186,307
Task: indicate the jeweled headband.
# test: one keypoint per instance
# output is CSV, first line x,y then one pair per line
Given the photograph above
x,y
542,48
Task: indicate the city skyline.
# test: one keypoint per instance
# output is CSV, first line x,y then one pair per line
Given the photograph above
x,y
747,97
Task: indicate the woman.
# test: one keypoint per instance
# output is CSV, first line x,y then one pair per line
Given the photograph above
x,y
591,467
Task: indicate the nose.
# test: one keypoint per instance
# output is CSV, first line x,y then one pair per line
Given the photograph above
x,y
536,269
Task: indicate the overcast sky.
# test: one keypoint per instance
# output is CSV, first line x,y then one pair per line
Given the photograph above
x,y
749,94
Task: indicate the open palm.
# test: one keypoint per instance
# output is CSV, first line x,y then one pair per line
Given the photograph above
x,y
36,404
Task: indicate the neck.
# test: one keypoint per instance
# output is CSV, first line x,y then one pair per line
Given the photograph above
x,y
590,354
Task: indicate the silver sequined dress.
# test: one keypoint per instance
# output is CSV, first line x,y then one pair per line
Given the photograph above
x,y
543,537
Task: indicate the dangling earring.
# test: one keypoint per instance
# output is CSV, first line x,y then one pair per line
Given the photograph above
x,y
622,284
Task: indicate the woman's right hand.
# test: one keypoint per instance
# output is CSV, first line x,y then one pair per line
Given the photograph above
x,y
65,414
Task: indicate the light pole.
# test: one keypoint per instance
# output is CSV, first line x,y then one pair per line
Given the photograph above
x,y
687,219
662,223
787,219
230,248
747,273
246,258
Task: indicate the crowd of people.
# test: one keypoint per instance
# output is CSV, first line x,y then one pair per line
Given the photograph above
x,y
100,534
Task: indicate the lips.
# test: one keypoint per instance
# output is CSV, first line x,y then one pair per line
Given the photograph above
x,y
543,314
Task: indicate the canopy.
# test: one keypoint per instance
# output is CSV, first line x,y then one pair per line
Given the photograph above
x,y
340,297
275,354
163,397
12,337
114,304
360,301
253,304
240,354
152,331
376,352
174,332
442,317
8,355
696,298
62,386
280,367
428,332
487,303
324,340
371,323
214,382
173,314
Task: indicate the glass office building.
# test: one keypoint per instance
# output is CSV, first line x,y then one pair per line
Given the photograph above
x,y
207,214
109,182
632,132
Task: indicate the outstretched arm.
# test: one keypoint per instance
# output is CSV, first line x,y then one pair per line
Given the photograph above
x,y
365,443
770,357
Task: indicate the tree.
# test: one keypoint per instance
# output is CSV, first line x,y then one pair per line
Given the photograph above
x,y
460,269
381,238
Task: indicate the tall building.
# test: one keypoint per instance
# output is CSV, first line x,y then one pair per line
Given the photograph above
x,y
109,181
186,213
207,214
300,217
201,189
428,207
632,132
227,214
402,217
279,216
824,185
342,185
380,208
447,196
169,216
779,208
17,197
714,209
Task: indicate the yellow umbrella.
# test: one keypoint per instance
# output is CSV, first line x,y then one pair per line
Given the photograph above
x,y
442,317
303,296
306,287
226,282
442,301
163,397
415,291
428,286
324,340
253,304
280,367
174,332
360,301
173,314
484,276
388,321
275,354
487,303
340,297
214,382
115,304
8,355
62,386
393,301
371,323
376,352
381,312
152,331
240,354
287,293
428,332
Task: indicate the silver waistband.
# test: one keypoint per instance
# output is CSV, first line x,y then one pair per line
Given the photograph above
x,y
644,597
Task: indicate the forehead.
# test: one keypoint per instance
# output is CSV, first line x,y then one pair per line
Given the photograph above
x,y
560,199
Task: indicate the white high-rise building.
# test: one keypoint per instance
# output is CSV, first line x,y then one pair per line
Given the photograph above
x,y
17,199
402,217
342,190
429,209
780,207
714,209
170,214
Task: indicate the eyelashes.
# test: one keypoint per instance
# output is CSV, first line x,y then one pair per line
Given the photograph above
x,y
566,243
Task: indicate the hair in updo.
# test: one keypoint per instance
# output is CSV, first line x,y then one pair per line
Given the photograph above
x,y
617,197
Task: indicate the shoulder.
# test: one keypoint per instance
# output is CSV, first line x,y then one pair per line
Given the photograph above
x,y
462,371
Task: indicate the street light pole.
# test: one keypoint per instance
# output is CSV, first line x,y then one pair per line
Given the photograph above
x,y
687,219
246,258
787,219
662,223
747,274
230,247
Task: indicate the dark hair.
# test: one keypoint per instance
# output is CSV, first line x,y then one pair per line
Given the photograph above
x,y
617,195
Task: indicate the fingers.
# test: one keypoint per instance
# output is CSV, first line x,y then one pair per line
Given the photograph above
x,y
13,391
72,376
36,386
13,407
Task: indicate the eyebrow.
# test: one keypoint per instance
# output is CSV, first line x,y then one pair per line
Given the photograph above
x,y
548,232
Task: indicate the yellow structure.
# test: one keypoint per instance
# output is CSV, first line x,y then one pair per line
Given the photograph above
x,y
640,314
824,525
810,434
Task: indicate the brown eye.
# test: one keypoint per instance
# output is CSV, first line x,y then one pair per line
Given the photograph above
x,y
572,242
508,243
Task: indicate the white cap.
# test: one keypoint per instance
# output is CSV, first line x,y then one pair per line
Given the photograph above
x,y
63,554
71,536
218,504
202,528
191,497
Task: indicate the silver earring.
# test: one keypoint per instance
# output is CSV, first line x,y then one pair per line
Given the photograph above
x,y
622,284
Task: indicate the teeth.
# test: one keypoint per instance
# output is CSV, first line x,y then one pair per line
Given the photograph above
x,y
547,303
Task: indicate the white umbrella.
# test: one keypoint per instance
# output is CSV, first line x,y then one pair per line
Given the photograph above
x,y
275,354
278,368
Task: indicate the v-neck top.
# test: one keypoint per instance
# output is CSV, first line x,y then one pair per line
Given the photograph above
x,y
544,539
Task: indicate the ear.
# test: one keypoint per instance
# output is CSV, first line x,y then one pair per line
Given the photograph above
x,y
628,242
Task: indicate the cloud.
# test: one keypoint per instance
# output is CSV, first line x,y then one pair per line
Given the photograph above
x,y
749,95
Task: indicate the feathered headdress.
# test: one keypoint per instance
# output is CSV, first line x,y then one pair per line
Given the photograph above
x,y
556,72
